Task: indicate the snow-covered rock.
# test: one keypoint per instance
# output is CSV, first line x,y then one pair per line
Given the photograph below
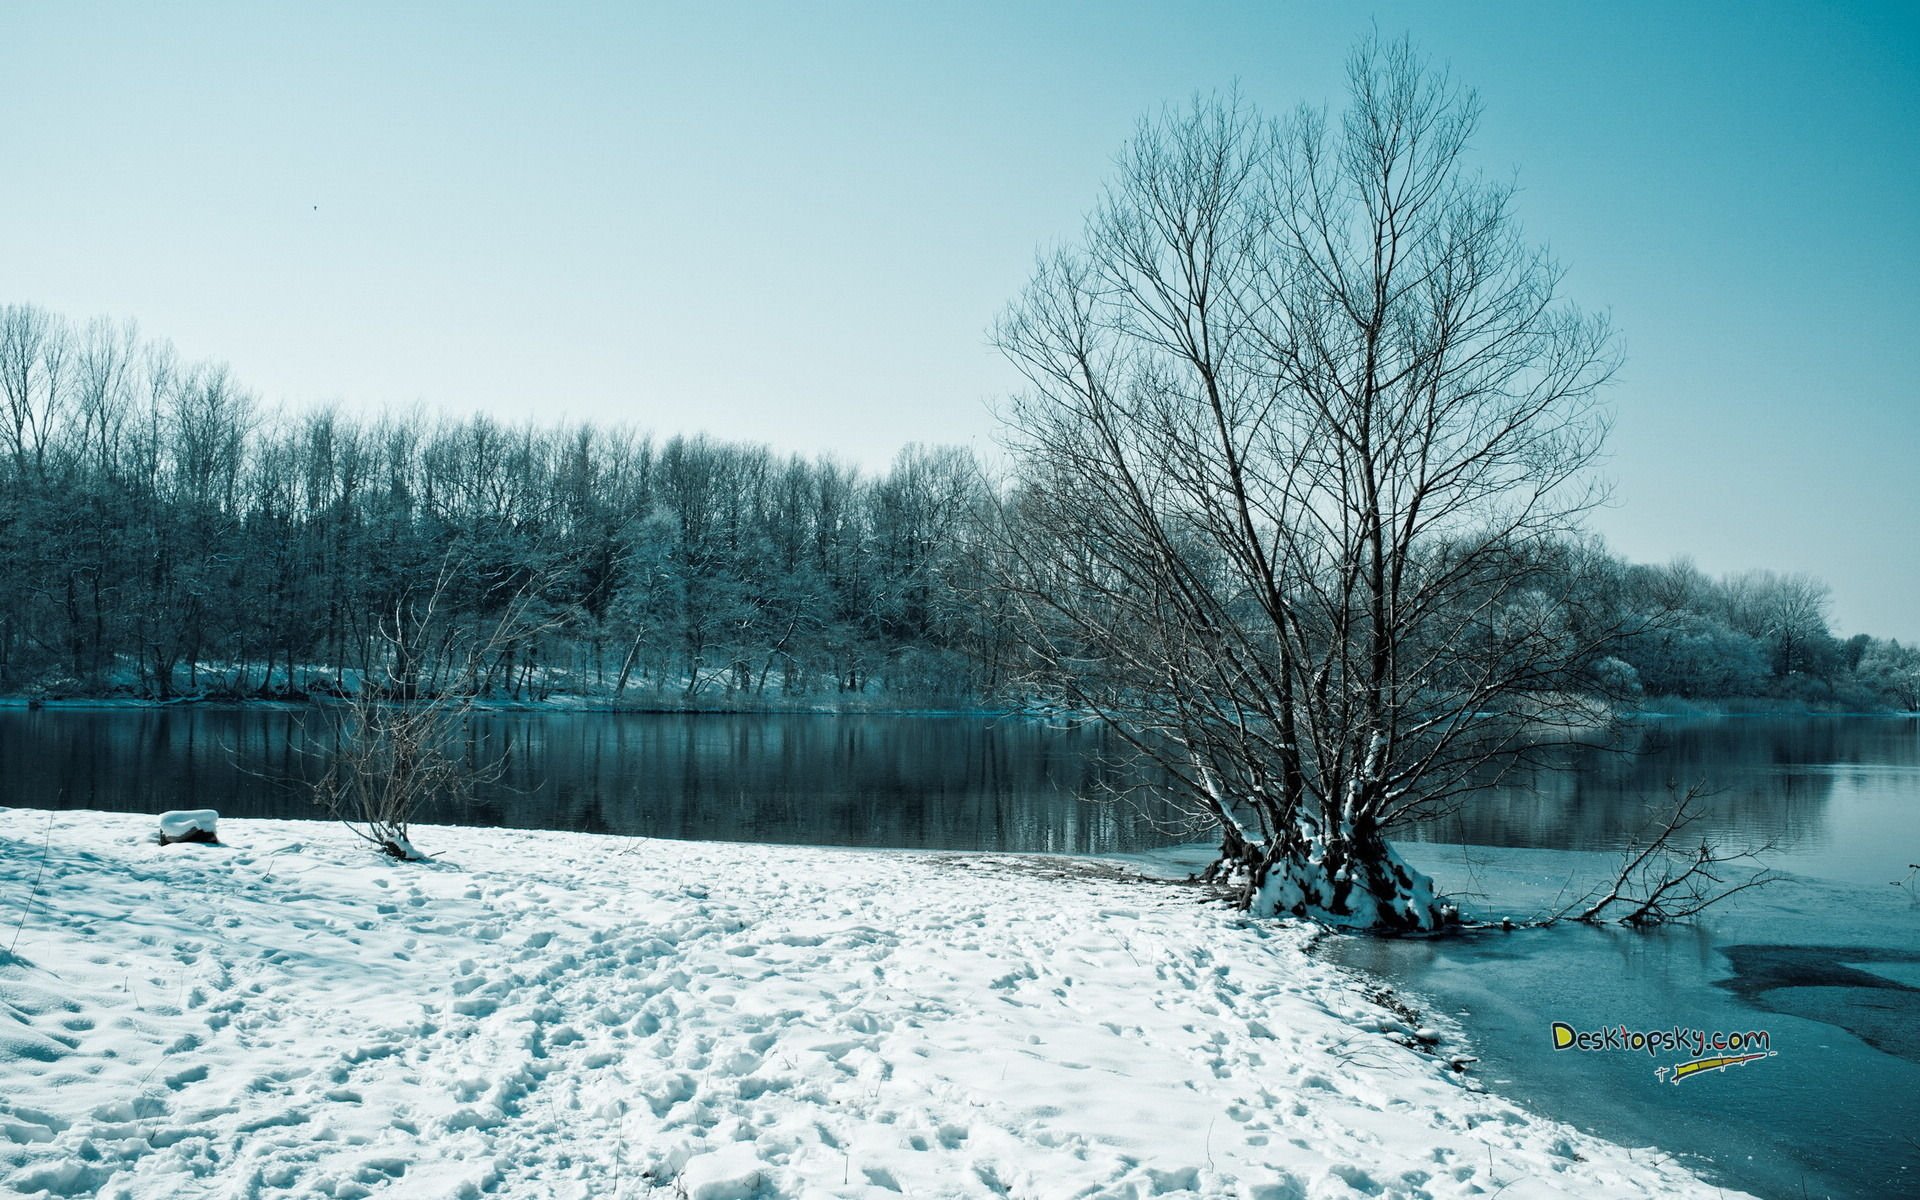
x,y
189,824
733,1172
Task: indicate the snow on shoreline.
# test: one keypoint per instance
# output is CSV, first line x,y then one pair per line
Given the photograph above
x,y
554,1014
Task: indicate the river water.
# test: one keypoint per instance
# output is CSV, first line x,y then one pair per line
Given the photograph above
x,y
944,783
1825,963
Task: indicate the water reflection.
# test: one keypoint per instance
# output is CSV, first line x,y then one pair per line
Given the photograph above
x,y
1828,791
963,783
1825,791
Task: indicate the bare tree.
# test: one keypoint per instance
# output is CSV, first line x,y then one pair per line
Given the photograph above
x,y
1306,421
1894,671
1788,613
397,745
34,349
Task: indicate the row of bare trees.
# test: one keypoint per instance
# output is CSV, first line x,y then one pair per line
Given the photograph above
x,y
165,535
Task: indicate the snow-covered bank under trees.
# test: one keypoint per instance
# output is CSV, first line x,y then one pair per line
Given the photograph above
x,y
550,1014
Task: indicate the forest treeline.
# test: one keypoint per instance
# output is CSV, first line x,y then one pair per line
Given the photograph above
x,y
162,534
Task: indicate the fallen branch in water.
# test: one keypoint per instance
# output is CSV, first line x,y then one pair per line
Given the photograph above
x,y
1670,878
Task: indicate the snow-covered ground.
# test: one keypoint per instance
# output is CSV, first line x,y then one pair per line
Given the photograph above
x,y
550,1014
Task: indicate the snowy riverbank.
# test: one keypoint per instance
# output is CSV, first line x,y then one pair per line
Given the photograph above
x,y
549,1014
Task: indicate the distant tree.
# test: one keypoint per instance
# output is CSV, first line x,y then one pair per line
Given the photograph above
x,y
35,354
1696,656
925,511
1786,612
1854,649
1893,671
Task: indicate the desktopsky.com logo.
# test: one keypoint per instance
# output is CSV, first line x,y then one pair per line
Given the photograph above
x,y
1706,1050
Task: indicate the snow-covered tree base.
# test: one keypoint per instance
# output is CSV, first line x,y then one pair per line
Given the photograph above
x,y
393,843
1344,881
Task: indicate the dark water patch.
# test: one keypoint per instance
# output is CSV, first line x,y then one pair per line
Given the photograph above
x,y
1829,984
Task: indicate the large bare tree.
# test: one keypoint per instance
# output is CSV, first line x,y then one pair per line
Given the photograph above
x,y
1302,447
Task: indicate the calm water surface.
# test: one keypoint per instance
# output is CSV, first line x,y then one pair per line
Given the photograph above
x,y
1827,963
948,783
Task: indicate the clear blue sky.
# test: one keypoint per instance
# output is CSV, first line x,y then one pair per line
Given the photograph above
x,y
793,223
